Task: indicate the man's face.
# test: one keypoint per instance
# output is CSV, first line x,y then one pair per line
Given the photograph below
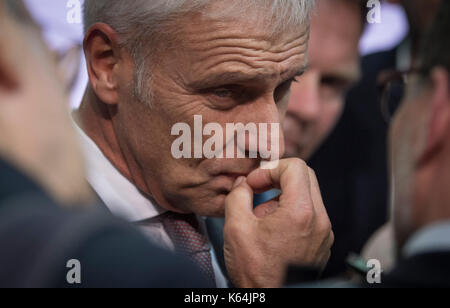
x,y
408,134
317,99
229,70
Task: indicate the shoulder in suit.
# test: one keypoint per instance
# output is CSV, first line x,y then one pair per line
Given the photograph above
x,y
41,237
430,270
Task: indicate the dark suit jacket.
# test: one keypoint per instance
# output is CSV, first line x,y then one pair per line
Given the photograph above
x,y
428,270
38,237
351,166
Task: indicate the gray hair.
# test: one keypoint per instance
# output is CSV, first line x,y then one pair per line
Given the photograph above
x,y
140,22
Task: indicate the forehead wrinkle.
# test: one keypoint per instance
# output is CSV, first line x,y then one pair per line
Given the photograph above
x,y
249,53
252,62
244,71
234,75
227,38
202,40
242,55
223,48
230,46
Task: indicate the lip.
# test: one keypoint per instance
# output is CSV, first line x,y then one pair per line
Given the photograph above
x,y
224,182
234,168
233,176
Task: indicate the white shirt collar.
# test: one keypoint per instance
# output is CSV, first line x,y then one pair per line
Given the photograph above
x,y
120,195
434,238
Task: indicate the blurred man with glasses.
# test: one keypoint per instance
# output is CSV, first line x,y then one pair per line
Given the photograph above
x,y
419,156
351,165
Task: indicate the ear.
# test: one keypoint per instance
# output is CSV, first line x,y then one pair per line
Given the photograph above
x,y
439,125
102,57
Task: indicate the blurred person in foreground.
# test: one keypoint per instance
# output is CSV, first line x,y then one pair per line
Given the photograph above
x,y
151,67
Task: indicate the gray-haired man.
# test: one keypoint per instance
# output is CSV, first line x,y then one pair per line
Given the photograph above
x,y
153,64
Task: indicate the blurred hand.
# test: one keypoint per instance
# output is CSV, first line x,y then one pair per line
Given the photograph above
x,y
295,230
36,133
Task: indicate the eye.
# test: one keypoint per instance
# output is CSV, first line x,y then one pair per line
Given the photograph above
x,y
335,84
228,96
223,93
234,93
224,97
283,89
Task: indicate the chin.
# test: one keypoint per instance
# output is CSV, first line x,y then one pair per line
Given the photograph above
x,y
213,208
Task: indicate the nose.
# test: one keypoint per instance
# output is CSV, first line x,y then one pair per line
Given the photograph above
x,y
304,103
266,116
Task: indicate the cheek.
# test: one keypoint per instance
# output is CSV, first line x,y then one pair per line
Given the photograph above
x,y
399,140
408,134
329,116
402,139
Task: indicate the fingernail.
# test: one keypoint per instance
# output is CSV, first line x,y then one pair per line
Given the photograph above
x,y
238,181
269,165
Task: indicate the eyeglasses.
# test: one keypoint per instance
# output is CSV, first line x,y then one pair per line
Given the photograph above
x,y
392,88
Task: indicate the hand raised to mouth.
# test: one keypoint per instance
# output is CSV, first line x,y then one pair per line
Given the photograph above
x,y
293,230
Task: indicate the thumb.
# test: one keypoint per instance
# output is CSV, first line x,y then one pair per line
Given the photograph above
x,y
239,203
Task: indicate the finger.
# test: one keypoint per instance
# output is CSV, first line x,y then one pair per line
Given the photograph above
x,y
321,213
331,239
328,244
292,177
239,203
266,208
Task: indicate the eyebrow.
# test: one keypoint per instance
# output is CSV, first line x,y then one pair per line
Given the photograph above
x,y
296,73
230,77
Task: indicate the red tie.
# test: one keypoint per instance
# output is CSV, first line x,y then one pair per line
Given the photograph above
x,y
185,233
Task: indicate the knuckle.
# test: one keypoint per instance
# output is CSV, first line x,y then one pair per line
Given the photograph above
x,y
298,163
235,196
231,230
325,228
304,219
312,172
332,238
